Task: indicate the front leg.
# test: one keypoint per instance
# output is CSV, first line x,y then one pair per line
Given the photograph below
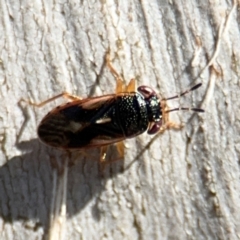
x,y
120,87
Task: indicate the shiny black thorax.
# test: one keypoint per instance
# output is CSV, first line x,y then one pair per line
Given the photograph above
x,y
122,116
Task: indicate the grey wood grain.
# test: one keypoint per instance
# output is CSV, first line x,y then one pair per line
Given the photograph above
x,y
178,185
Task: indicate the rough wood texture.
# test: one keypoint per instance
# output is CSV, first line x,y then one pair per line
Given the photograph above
x,y
183,184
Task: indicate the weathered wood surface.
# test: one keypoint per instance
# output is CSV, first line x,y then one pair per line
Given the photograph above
x,y
184,184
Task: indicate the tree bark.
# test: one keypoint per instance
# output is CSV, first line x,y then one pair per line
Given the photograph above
x,y
178,185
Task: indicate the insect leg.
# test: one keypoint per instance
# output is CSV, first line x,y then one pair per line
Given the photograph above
x,y
102,160
70,96
64,94
120,83
103,152
120,148
167,124
131,87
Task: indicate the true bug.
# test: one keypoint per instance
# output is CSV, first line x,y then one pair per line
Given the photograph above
x,y
104,120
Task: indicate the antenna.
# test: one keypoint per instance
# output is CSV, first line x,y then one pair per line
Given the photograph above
x,y
182,94
185,109
185,92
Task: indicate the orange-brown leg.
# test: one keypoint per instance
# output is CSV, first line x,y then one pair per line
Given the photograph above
x,y
167,124
64,94
103,153
171,125
102,159
120,83
120,87
120,148
131,87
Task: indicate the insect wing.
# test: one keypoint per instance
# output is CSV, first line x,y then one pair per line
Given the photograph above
x,y
80,124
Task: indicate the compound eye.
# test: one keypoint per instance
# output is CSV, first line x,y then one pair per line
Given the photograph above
x,y
146,91
154,128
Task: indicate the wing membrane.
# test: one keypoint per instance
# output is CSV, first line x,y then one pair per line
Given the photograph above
x,y
82,124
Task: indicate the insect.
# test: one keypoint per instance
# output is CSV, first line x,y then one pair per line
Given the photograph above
x,y
104,120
